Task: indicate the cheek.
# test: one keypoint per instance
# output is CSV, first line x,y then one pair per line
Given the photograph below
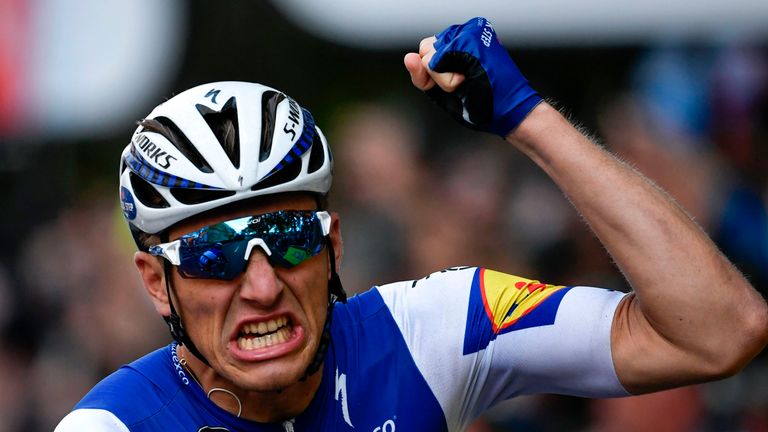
x,y
204,317
310,287
201,304
200,301
319,294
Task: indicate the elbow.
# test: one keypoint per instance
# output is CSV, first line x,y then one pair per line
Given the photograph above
x,y
736,352
755,332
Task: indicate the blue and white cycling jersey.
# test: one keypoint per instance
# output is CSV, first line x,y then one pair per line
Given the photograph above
x,y
428,355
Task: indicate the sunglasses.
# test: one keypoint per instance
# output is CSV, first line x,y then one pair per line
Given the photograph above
x,y
221,251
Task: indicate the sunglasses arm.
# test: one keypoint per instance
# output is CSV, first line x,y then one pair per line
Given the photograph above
x,y
325,221
169,251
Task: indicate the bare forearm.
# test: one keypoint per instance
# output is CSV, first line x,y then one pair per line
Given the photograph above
x,y
688,296
641,227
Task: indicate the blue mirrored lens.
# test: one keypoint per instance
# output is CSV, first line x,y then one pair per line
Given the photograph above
x,y
218,251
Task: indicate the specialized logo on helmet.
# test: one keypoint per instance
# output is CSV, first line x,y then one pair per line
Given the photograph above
x,y
293,119
127,204
212,93
152,151
500,303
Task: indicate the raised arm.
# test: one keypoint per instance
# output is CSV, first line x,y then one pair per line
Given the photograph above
x,y
692,317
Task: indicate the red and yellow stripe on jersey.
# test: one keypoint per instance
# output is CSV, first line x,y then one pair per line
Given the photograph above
x,y
501,303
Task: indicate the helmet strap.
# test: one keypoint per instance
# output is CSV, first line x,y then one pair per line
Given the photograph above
x,y
174,320
335,294
335,289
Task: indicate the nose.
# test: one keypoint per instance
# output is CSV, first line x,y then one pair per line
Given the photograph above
x,y
260,282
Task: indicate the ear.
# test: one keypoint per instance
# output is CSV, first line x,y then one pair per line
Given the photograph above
x,y
336,240
152,275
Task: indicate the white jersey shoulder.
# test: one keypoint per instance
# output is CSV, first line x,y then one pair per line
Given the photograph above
x,y
91,420
480,336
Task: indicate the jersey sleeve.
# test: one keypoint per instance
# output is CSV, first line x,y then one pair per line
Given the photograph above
x,y
92,420
480,336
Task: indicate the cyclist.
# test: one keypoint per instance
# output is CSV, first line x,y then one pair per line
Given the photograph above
x,y
270,343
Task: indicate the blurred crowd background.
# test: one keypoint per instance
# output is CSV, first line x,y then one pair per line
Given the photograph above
x,y
416,192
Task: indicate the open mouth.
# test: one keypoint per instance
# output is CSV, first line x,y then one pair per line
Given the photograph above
x,y
254,336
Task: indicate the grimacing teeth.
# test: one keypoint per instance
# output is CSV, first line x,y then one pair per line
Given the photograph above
x,y
252,343
264,327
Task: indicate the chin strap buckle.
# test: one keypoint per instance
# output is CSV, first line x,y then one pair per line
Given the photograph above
x,y
174,325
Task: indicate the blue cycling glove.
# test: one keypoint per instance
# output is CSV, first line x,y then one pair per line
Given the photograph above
x,y
495,97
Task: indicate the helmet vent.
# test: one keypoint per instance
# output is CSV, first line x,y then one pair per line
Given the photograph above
x,y
224,126
146,193
197,196
316,155
167,128
289,172
269,102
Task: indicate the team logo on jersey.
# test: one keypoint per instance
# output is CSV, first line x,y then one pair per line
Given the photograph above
x,y
500,303
341,395
212,429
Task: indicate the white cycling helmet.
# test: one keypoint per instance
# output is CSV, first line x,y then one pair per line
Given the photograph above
x,y
271,146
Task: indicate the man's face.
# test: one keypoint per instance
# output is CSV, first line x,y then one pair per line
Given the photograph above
x,y
261,330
